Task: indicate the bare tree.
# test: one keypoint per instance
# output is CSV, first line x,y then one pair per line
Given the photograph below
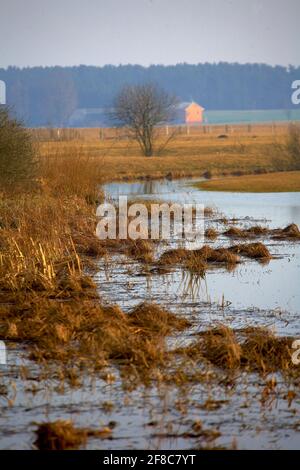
x,y
141,109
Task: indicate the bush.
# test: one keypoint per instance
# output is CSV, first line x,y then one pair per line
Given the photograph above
x,y
17,154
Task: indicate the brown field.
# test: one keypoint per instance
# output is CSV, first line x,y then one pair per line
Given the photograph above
x,y
241,152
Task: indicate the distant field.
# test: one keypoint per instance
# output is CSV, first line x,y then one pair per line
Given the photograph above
x,y
288,181
242,150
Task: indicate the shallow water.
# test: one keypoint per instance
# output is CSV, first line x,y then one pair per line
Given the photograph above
x,y
277,209
252,294
251,285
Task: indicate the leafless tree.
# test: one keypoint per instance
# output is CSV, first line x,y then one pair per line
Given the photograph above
x,y
141,109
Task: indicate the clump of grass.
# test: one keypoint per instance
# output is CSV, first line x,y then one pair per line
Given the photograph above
x,y
255,349
252,250
63,435
141,250
290,232
235,232
154,319
174,256
218,346
255,231
199,260
264,352
196,264
209,211
211,233
217,255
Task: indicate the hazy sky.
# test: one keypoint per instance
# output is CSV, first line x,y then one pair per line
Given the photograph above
x,y
98,32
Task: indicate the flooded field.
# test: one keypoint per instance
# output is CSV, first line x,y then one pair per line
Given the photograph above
x,y
216,409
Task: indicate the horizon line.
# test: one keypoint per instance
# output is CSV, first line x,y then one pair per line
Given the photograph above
x,y
21,67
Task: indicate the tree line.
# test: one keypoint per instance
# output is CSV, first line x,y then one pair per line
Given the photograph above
x,y
44,96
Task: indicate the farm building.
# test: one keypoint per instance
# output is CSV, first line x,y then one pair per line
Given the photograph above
x,y
190,113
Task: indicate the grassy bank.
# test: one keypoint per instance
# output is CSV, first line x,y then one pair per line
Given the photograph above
x,y
288,181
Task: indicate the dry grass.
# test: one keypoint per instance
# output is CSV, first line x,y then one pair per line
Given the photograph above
x,y
84,333
154,319
211,233
254,349
255,231
252,250
40,239
63,435
141,250
193,155
174,256
218,255
291,232
199,260
68,171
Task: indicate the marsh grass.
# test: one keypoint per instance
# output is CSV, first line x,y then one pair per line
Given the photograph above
x,y
252,250
211,233
291,232
68,171
199,260
251,232
83,333
63,435
254,349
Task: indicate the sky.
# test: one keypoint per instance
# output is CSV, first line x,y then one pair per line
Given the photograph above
x,y
99,32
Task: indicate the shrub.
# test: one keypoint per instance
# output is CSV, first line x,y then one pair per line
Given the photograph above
x,y
17,154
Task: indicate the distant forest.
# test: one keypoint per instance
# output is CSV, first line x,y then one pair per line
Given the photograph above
x,y
44,96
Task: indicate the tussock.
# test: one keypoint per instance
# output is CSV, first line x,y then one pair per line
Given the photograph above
x,y
63,435
141,250
255,231
218,346
254,349
291,232
252,250
174,256
199,260
211,233
154,319
219,255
